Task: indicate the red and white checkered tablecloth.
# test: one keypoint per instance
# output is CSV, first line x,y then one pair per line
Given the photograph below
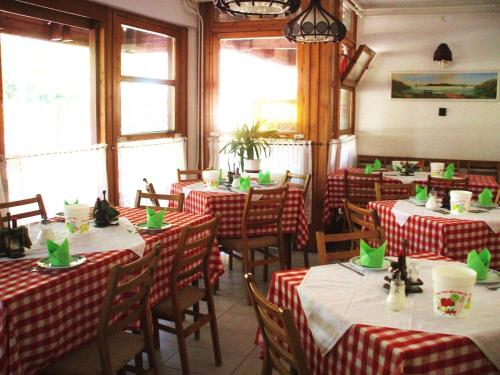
x,y
230,207
380,350
334,191
44,315
447,237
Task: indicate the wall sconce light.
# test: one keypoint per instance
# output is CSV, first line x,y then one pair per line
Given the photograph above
x,y
443,55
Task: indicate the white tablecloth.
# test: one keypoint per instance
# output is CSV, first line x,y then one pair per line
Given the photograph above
x,y
333,298
418,176
403,210
122,236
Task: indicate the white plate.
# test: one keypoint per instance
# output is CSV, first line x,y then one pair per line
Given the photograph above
x,y
476,204
356,261
492,278
76,260
144,227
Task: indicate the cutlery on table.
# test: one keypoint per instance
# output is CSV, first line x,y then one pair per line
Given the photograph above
x,y
352,269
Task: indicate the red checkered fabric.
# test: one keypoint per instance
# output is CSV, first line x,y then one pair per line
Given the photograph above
x,y
334,191
230,207
448,237
47,314
380,350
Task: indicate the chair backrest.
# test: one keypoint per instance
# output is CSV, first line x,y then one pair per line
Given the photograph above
x,y
299,181
393,191
322,241
497,199
363,160
488,168
441,184
264,209
24,202
189,175
178,198
359,218
126,300
283,347
360,187
192,255
150,189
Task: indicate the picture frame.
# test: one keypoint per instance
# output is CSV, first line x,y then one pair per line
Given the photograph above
x,y
445,85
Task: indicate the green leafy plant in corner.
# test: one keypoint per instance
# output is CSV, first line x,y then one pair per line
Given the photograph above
x,y
250,142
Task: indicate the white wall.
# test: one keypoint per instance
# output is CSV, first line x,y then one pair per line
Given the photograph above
x,y
175,12
471,130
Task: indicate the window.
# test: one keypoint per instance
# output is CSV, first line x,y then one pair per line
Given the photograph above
x,y
49,112
257,80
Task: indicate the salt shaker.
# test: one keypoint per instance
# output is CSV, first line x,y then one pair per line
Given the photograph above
x,y
413,271
396,300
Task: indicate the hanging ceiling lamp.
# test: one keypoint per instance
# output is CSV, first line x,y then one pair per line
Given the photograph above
x,y
314,25
258,8
443,55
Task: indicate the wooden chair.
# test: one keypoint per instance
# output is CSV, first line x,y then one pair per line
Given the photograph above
x,y
359,188
191,258
393,191
263,213
150,189
283,349
363,160
322,240
440,185
497,199
24,202
126,300
487,168
189,175
361,219
178,198
301,182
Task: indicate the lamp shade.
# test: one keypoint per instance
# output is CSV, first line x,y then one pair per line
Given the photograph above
x,y
260,8
443,54
315,25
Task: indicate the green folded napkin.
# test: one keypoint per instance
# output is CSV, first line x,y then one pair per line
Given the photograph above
x,y
369,169
67,203
421,193
485,198
372,257
155,219
244,184
265,178
377,164
59,254
450,171
479,262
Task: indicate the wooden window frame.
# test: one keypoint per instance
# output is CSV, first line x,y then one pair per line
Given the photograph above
x,y
361,49
350,129
179,82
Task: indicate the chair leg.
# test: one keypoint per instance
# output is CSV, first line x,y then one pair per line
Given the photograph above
x,y
246,266
156,334
138,362
265,272
122,371
181,342
196,310
230,253
213,328
252,260
287,252
267,367
306,257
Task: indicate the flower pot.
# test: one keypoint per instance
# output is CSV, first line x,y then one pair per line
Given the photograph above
x,y
252,165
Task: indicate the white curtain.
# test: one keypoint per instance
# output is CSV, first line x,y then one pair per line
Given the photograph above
x,y
157,160
58,176
286,154
342,153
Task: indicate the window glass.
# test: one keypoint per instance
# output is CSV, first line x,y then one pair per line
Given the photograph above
x,y
257,81
345,109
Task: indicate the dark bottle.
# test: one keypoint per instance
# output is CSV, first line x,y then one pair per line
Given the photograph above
x,y
402,261
445,203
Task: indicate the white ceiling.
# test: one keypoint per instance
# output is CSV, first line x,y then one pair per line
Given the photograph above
x,y
386,7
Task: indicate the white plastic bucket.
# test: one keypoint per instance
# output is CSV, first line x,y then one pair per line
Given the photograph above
x,y
76,217
437,169
452,290
460,201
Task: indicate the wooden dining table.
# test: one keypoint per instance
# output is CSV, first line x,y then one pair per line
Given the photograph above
x,y
229,205
335,187
449,237
366,349
45,314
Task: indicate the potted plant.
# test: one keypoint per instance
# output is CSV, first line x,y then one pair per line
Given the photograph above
x,y
249,143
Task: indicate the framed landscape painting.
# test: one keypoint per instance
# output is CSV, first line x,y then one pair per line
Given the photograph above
x,y
445,85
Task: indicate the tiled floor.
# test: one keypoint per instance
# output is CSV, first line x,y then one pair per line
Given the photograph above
x,y
237,328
